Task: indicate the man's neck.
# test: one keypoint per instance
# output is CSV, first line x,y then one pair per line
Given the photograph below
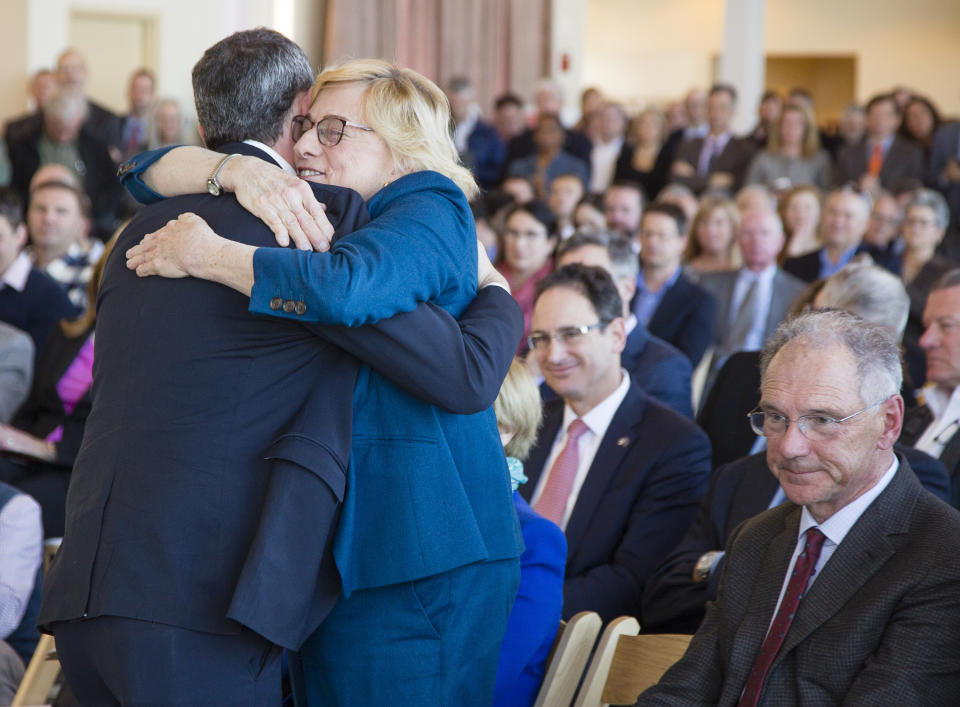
x,y
602,390
655,278
43,257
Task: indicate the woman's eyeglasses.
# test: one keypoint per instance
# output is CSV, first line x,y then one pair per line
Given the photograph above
x,y
329,129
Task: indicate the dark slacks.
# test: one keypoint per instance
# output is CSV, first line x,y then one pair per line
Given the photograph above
x,y
117,661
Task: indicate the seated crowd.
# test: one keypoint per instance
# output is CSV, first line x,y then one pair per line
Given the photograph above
x,y
654,257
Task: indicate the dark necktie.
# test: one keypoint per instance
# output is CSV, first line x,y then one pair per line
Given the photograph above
x,y
803,570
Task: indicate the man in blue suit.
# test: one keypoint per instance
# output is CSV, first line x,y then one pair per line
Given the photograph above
x,y
660,369
621,474
200,508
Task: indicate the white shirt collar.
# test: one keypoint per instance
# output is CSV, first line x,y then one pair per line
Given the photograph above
x,y
599,417
16,275
284,165
839,524
630,323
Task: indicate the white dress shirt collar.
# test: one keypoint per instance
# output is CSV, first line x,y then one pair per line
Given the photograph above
x,y
16,275
284,165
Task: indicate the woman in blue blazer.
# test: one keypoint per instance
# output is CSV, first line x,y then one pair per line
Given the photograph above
x,y
428,543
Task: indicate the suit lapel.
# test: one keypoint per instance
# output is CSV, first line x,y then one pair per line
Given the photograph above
x,y
615,445
533,467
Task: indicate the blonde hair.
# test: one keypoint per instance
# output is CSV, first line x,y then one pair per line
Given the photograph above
x,y
811,133
409,112
708,205
518,409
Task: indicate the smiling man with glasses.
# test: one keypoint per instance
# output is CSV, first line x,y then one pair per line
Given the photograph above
x,y
617,471
847,593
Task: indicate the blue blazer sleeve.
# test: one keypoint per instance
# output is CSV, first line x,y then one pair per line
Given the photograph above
x,y
535,616
420,246
131,175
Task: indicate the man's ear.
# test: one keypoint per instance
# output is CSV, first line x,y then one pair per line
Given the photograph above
x,y
618,333
892,410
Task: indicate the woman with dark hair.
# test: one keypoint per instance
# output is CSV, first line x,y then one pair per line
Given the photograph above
x,y
526,253
41,443
920,122
642,159
550,159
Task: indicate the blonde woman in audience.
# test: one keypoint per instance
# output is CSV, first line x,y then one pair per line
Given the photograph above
x,y
712,243
535,616
800,211
793,155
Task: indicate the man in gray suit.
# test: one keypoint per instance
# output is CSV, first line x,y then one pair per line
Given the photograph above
x,y
847,592
751,301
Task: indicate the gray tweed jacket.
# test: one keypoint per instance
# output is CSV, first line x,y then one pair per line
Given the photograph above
x,y
879,626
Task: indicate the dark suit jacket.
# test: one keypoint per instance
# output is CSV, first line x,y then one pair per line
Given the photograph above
x,y
639,496
946,143
904,162
99,176
685,318
576,143
879,625
656,366
915,422
215,454
735,159
37,309
485,154
807,267
672,601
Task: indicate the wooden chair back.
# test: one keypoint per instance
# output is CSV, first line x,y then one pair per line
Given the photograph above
x,y
571,651
40,675
590,691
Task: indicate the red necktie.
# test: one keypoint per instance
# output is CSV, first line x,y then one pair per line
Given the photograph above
x,y
803,570
876,160
553,501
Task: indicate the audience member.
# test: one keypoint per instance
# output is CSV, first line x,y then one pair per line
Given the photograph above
x,y
660,369
934,426
30,300
680,196
695,105
100,122
16,369
549,159
549,100
590,213
830,398
921,120
842,226
64,138
620,473
800,212
135,125
719,160
520,188
667,302
882,236
58,225
623,208
535,616
607,143
769,112
850,130
167,124
882,158
42,86
526,255
944,172
751,301
793,154
566,191
755,197
508,116
642,160
480,147
591,100
712,241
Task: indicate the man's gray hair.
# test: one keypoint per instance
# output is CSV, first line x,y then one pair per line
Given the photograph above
x,y
623,259
67,104
245,85
869,291
933,200
874,349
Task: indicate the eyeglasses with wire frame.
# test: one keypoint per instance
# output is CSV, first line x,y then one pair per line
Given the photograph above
x,y
816,428
568,335
329,129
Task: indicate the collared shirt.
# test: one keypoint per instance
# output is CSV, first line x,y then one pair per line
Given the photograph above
x,y
645,302
691,132
16,275
828,268
884,145
597,421
835,528
603,163
713,145
464,129
630,323
284,165
764,280
73,269
945,423
21,552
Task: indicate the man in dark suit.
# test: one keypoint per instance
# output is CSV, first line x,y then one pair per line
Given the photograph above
x,y
719,160
882,159
43,84
101,122
944,174
667,302
201,503
841,595
480,147
656,366
842,226
618,472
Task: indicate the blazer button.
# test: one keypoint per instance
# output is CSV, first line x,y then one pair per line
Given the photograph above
x,y
276,303
288,306
300,308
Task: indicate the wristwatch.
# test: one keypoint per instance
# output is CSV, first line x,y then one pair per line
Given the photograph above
x,y
701,570
214,188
